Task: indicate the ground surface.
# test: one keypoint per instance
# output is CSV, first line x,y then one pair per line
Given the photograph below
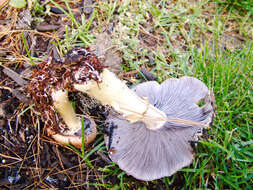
x,y
138,40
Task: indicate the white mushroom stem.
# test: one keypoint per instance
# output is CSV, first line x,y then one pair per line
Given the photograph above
x,y
112,91
65,109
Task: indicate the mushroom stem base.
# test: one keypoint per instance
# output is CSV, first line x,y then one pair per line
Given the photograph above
x,y
65,109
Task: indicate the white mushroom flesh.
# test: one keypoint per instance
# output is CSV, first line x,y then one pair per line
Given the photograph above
x,y
66,110
112,91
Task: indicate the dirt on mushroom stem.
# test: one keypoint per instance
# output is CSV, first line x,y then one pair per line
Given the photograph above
x,y
78,66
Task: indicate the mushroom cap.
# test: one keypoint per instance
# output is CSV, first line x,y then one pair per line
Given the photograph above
x,y
151,154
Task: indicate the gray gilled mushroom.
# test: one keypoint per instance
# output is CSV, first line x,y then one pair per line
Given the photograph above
x,y
148,154
150,126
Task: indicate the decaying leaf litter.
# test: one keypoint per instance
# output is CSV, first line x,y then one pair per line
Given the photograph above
x,y
49,165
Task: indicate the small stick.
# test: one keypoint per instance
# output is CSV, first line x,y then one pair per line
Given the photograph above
x,y
14,76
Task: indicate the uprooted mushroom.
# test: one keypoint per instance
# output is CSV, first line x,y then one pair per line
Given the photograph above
x,y
150,127
49,87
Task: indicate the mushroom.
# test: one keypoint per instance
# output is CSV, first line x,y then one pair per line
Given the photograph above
x,y
51,81
150,127
148,154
